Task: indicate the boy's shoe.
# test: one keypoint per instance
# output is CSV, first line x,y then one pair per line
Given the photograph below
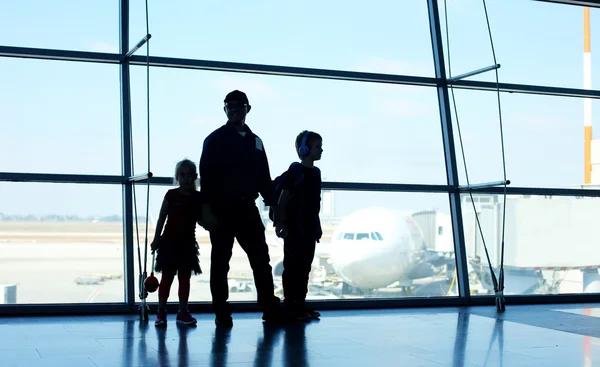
x,y
274,317
313,314
274,313
224,320
297,310
184,318
161,319
299,315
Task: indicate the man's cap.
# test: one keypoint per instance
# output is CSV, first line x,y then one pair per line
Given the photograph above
x,y
238,96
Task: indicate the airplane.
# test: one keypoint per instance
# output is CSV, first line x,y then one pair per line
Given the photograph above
x,y
375,248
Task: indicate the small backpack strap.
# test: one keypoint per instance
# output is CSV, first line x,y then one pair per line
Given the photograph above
x,y
297,172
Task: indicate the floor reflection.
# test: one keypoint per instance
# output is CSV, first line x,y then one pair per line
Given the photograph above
x,y
294,347
267,344
497,334
525,336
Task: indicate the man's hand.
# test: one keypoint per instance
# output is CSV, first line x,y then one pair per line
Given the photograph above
x,y
280,230
279,213
208,221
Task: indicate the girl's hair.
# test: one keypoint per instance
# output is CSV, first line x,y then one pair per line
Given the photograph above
x,y
311,136
188,163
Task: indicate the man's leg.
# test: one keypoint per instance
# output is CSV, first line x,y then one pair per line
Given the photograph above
x,y
250,233
221,239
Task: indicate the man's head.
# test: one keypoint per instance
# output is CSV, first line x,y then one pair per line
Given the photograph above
x,y
236,107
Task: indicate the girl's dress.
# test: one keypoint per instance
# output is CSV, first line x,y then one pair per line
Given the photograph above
x,y
178,250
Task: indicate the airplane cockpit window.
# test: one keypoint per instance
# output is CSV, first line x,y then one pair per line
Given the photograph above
x,y
362,236
375,236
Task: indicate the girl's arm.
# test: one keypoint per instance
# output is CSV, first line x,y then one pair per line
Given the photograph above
x,y
162,217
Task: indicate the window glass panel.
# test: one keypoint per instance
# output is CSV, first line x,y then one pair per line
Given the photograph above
x,y
550,244
61,243
543,138
342,268
372,37
371,132
59,117
535,42
65,24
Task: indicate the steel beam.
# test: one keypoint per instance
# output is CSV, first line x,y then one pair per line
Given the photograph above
x,y
97,57
63,55
126,156
348,304
143,177
138,45
541,191
589,3
472,73
60,178
482,186
210,65
526,89
449,150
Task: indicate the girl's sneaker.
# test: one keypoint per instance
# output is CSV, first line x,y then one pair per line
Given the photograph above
x,y
184,318
161,319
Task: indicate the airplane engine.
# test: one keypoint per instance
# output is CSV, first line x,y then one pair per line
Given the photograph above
x,y
373,248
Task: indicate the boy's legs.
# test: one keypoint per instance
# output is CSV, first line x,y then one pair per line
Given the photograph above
x,y
308,255
297,263
291,269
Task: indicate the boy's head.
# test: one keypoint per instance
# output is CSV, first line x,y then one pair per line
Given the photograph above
x,y
309,145
236,106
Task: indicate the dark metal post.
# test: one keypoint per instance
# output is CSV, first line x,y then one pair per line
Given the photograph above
x,y
449,150
126,157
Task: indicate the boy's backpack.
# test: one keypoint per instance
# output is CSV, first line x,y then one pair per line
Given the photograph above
x,y
297,171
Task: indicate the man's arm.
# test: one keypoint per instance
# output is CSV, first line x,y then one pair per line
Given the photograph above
x,y
208,182
265,184
208,169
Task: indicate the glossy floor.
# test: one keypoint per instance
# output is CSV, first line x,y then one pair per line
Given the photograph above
x,y
559,335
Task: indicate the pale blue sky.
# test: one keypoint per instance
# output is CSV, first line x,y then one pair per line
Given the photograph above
x,y
64,117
